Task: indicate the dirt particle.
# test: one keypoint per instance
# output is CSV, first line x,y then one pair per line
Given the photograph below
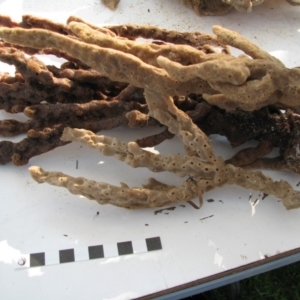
x,y
206,217
161,210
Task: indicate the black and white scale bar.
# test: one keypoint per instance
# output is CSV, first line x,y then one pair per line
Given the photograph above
x,y
87,253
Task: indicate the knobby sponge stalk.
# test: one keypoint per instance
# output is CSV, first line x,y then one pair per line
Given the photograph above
x,y
156,195
223,80
147,52
116,65
134,156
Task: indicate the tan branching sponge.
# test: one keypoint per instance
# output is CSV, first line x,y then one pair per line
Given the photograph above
x,y
205,171
229,82
166,72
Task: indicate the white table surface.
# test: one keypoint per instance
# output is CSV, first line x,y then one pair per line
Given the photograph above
x,y
37,218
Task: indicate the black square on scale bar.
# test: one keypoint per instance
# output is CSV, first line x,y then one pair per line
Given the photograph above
x,y
37,259
153,243
125,248
96,252
66,256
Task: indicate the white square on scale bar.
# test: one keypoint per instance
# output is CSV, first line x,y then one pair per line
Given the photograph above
x,y
52,258
81,253
139,246
110,250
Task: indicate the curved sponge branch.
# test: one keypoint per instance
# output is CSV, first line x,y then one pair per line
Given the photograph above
x,y
156,195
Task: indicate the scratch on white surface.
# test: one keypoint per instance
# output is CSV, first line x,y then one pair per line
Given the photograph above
x,y
162,272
